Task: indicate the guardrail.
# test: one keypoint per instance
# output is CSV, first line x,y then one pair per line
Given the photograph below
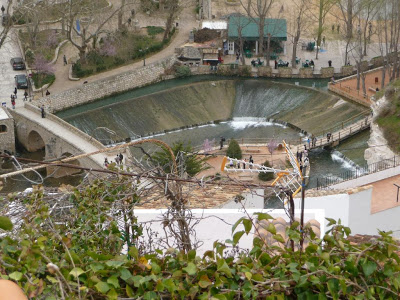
x,y
325,182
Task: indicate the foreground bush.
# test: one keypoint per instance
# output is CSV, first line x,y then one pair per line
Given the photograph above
x,y
234,150
81,257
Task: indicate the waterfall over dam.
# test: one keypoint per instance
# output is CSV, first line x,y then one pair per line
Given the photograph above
x,y
202,102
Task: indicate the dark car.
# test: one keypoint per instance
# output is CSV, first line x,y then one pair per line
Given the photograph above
x,y
21,81
17,63
6,20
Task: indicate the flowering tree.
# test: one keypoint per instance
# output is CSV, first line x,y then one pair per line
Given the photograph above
x,y
42,70
52,40
272,145
108,48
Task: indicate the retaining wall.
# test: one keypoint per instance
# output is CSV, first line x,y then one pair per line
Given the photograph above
x,y
106,87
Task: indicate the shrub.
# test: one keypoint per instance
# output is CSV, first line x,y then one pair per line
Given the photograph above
x,y
94,57
183,71
234,150
101,68
42,79
29,56
79,71
266,176
119,61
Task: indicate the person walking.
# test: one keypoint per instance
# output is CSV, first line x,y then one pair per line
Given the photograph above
x,y
330,63
121,158
65,60
106,162
251,161
221,143
42,111
12,102
2,9
308,142
25,96
117,159
15,92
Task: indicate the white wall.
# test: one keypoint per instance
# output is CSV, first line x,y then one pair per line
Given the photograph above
x,y
254,199
363,222
335,206
216,224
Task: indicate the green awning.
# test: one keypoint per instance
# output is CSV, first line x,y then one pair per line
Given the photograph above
x,y
249,28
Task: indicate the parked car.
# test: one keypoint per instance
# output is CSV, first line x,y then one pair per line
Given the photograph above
x,y
17,63
5,20
21,81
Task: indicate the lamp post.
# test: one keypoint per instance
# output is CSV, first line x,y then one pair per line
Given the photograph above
x,y
144,54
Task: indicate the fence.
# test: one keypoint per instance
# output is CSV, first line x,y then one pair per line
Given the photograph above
x,y
382,165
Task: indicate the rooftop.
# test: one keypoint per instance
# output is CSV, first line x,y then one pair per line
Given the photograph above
x,y
216,25
249,28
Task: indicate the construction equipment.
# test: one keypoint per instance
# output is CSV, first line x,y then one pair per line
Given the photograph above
x,y
288,181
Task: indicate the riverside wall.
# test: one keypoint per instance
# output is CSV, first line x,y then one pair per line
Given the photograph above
x,y
120,83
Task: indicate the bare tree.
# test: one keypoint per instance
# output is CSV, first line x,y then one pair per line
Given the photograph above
x,y
258,11
323,9
301,9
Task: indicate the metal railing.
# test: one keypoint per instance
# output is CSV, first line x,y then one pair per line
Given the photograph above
x,y
325,182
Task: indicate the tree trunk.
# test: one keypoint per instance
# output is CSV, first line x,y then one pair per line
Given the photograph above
x,y
261,36
241,47
268,54
120,15
363,75
168,25
349,25
321,6
383,77
358,75
295,42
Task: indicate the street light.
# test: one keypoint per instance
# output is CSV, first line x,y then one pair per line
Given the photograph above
x,y
144,54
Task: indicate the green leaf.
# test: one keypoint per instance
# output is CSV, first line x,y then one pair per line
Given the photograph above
x,y
102,287
204,281
331,222
76,272
369,267
15,276
237,224
51,279
333,287
237,236
5,223
96,267
129,291
247,225
114,263
125,274
192,254
113,280
279,238
191,269
263,216
150,296
112,295
155,268
223,267
271,228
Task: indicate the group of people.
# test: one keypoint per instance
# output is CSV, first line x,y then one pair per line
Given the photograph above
x,y
119,159
257,62
309,64
251,161
311,141
304,162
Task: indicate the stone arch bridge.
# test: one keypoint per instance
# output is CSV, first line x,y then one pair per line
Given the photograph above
x,y
58,139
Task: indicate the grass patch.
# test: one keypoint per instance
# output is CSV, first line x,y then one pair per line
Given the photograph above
x,y
41,80
129,47
389,116
45,42
154,30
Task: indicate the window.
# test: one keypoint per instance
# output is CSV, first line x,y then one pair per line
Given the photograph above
x,y
3,128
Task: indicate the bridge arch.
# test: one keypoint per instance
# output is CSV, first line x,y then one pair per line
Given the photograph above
x,y
35,141
61,171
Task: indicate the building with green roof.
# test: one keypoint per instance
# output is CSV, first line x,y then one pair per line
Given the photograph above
x,y
277,29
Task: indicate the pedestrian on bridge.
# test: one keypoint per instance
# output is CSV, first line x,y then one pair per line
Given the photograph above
x,y
328,136
15,92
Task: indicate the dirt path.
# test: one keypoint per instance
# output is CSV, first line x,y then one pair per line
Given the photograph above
x,y
187,22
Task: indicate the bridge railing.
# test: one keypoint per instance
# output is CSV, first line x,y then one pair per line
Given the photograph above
x,y
326,182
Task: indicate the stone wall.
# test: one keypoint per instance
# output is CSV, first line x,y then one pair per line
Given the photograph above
x,y
106,87
285,72
347,70
327,72
264,71
7,138
377,61
306,72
